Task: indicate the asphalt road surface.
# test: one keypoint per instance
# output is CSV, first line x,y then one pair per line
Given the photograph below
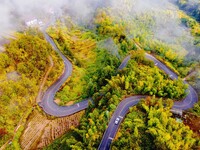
x,y
47,103
51,108
124,106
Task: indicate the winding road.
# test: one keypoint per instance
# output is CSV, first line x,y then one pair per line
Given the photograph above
x,y
47,103
123,107
51,108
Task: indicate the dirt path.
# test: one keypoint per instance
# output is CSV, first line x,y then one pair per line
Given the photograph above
x,y
5,145
39,96
20,123
193,73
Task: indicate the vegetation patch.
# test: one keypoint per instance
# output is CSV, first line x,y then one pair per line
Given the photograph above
x,y
26,56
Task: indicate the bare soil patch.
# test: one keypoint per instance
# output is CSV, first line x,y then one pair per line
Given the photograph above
x,y
70,103
40,131
192,121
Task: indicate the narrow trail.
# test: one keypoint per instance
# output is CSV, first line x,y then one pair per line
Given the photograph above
x,y
39,96
5,145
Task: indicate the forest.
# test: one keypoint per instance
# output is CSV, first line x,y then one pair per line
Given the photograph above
x,y
23,64
153,127
191,7
96,52
147,123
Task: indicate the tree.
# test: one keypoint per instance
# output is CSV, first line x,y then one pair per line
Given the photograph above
x,y
150,125
5,60
2,132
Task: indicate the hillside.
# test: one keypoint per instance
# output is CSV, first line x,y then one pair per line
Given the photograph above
x,y
139,77
140,59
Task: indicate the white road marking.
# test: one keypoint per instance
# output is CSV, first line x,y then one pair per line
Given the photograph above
x,y
156,64
78,105
171,75
121,117
110,138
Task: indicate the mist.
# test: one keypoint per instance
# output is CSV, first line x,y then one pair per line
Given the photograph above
x,y
109,44
16,12
166,27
